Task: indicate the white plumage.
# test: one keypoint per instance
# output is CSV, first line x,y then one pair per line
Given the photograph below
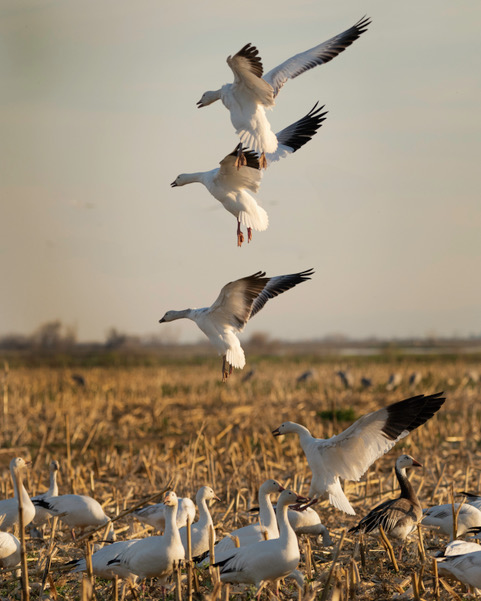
x,y
466,568
251,92
231,186
441,517
265,561
237,302
349,454
154,556
41,514
9,507
154,515
77,511
199,530
9,550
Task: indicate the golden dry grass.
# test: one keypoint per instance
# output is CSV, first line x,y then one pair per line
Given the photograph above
x,y
130,431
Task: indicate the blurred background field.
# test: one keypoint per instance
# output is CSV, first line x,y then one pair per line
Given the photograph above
x,y
140,422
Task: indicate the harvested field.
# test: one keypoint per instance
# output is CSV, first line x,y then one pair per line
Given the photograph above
x,y
129,432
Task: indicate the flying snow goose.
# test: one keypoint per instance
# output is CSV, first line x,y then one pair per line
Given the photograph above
x,y
237,302
77,511
9,550
231,186
349,454
200,530
267,560
251,92
154,515
154,556
41,514
441,517
9,507
101,559
398,517
466,568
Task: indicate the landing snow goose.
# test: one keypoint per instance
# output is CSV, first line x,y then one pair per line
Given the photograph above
x,y
252,92
466,568
77,511
398,517
237,302
154,515
268,560
101,559
154,556
200,530
349,454
9,550
231,186
9,507
441,517
41,514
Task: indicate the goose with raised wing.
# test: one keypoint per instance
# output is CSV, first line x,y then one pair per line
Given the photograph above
x,y
154,556
231,186
237,302
9,507
252,92
200,530
397,517
268,560
154,515
349,454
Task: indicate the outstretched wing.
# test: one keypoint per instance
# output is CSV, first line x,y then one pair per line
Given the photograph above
x,y
318,55
248,176
247,68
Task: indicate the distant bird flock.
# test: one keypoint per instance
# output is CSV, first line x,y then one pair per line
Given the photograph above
x,y
262,553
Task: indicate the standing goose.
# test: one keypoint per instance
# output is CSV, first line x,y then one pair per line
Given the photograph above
x,y
251,92
349,454
101,559
237,302
200,530
154,515
231,186
268,560
154,556
398,517
41,514
10,549
9,507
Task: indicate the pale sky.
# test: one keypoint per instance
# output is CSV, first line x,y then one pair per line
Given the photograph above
x,y
98,115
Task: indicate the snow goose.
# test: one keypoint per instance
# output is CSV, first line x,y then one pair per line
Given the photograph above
x,y
237,302
9,550
441,517
101,559
77,511
268,560
41,514
459,547
398,517
466,567
200,530
251,92
154,515
472,499
231,186
154,556
307,521
9,507
349,454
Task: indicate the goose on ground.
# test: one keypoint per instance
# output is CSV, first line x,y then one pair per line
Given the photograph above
x,y
398,517
77,511
441,517
466,567
154,515
307,521
41,514
459,547
237,302
200,530
268,560
472,499
9,507
9,550
154,556
101,559
231,186
349,454
252,92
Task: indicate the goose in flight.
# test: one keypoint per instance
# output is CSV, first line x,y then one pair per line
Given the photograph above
x,y
237,302
349,454
252,92
231,186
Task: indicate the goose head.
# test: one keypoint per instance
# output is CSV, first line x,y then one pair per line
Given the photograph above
x,y
207,493
170,499
270,487
208,98
18,463
405,461
54,466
